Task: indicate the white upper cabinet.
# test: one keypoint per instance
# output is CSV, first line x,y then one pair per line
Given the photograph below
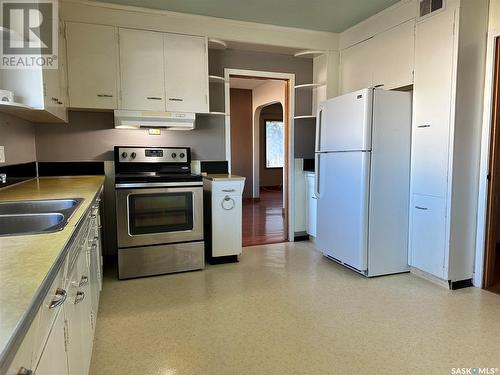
x,y
92,66
142,70
356,69
394,51
385,59
432,104
186,73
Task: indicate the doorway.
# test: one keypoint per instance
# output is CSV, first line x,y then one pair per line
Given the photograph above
x,y
259,134
492,254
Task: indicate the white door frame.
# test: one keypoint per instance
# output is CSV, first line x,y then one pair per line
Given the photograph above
x,y
482,208
291,149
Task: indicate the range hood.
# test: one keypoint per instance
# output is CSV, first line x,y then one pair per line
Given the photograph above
x,y
125,119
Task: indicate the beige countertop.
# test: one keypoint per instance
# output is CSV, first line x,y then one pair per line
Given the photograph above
x,y
223,177
25,261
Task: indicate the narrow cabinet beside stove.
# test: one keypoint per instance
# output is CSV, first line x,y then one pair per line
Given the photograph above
x,y
223,217
59,338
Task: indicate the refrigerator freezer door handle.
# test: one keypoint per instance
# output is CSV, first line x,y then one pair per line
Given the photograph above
x,y
316,175
319,117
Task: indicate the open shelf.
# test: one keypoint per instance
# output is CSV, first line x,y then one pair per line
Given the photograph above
x,y
216,79
310,85
216,44
213,113
310,53
17,109
304,117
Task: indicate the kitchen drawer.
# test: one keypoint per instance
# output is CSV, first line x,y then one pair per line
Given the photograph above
x,y
227,188
51,306
428,234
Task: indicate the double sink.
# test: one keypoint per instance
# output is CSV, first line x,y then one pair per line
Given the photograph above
x,y
36,216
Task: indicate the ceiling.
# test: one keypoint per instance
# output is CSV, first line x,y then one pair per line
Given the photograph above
x,y
323,15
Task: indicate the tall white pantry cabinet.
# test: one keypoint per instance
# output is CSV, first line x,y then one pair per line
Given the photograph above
x,y
447,101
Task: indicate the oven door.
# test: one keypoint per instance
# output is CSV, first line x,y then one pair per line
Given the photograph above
x,y
154,216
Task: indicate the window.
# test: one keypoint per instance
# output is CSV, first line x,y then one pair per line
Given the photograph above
x,y
274,144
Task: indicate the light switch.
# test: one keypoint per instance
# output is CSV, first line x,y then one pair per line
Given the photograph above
x,y
2,154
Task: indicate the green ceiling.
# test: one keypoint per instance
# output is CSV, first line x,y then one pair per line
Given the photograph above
x,y
323,15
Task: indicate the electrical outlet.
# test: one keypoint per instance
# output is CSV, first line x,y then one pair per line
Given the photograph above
x,y
2,154
154,131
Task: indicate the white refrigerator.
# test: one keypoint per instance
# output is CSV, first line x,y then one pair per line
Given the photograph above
x,y
362,180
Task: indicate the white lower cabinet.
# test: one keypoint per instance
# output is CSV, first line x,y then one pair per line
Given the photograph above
x,y
223,216
78,317
52,362
427,240
60,336
311,205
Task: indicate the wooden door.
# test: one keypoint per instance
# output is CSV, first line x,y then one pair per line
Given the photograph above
x,y
491,268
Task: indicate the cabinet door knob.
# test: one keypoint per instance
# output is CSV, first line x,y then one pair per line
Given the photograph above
x,y
24,371
60,298
84,281
80,296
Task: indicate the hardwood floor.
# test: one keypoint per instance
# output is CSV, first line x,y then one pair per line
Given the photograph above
x,y
263,220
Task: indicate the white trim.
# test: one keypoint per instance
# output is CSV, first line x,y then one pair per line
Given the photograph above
x,y
485,161
291,149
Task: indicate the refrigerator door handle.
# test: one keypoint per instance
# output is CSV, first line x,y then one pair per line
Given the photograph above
x,y
316,175
319,117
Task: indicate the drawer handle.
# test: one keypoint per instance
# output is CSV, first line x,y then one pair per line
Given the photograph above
x,y
227,198
153,98
176,99
421,208
61,297
24,371
80,296
104,96
228,190
424,126
83,281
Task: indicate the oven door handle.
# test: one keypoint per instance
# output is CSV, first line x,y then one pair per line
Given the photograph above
x,y
157,184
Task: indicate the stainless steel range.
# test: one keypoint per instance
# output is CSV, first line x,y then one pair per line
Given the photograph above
x,y
159,211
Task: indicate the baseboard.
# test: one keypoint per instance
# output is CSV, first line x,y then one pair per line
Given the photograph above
x,y
460,284
427,276
300,236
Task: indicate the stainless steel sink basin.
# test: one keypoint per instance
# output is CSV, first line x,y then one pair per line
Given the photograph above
x,y
40,206
36,216
11,225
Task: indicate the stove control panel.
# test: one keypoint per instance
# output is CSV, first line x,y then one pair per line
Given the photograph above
x,y
152,154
